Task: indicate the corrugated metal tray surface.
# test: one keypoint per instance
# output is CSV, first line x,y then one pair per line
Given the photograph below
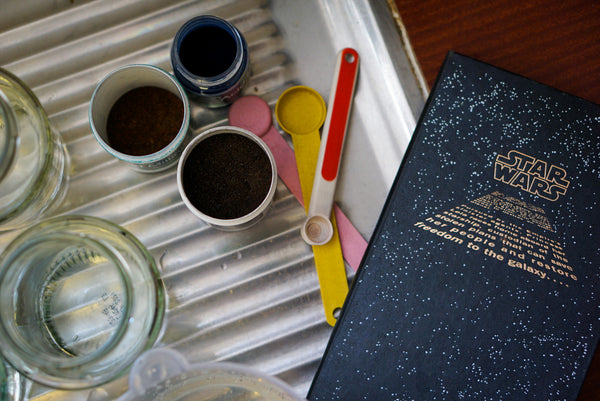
x,y
250,296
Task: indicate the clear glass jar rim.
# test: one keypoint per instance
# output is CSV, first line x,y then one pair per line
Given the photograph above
x,y
47,142
3,381
31,354
151,330
8,137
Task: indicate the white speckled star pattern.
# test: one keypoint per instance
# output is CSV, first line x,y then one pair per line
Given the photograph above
x,y
475,285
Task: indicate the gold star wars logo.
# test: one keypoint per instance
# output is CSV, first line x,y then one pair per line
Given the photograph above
x,y
532,175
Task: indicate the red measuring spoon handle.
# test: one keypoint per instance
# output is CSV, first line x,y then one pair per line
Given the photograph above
x,y
345,83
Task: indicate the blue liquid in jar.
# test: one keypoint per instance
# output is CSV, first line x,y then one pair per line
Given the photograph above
x,y
208,51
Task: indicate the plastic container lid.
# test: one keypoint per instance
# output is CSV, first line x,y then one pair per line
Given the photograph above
x,y
164,374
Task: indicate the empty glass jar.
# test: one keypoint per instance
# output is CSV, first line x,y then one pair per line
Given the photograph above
x,y
33,159
80,299
3,382
11,386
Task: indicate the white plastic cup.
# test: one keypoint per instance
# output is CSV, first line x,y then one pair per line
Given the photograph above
x,y
237,223
115,85
165,374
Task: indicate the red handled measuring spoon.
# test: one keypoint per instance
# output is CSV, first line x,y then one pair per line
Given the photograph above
x,y
318,229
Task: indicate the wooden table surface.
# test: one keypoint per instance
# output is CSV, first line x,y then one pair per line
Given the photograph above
x,y
555,42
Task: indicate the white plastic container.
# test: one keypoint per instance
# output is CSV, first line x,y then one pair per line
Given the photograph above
x,y
234,222
164,374
115,85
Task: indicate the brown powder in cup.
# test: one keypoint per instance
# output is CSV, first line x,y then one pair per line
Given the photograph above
x,y
226,176
144,121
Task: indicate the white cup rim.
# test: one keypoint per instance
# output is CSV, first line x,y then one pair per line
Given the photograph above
x,y
238,222
152,157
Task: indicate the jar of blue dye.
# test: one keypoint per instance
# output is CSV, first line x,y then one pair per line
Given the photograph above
x,y
210,59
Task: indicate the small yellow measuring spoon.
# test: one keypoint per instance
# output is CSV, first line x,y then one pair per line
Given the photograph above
x,y
300,111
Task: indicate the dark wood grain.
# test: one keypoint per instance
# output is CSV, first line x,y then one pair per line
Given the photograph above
x,y
553,42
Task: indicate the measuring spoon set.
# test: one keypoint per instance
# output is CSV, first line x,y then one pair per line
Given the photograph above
x,y
311,169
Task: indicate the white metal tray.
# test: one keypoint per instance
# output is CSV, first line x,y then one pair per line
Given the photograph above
x,y
250,296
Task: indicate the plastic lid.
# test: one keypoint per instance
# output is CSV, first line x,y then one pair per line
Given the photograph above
x,y
164,374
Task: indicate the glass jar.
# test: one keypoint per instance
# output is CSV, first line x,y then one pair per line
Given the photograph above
x,y
210,59
12,388
3,382
33,159
80,299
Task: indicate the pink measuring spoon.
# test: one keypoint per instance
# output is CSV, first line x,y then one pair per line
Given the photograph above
x,y
254,114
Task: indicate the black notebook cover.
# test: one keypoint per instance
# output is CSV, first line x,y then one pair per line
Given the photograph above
x,y
481,280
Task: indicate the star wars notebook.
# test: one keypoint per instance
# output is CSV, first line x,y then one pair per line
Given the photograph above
x,y
481,280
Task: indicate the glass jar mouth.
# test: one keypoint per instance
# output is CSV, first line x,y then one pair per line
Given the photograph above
x,y
8,138
81,299
30,353
210,85
34,178
3,381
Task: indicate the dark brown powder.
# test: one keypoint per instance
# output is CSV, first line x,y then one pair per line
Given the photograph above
x,y
226,176
144,121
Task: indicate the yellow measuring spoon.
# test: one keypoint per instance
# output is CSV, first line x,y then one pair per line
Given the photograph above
x,y
300,111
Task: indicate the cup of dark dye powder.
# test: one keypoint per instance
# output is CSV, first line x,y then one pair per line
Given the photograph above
x,y
140,114
210,59
227,177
